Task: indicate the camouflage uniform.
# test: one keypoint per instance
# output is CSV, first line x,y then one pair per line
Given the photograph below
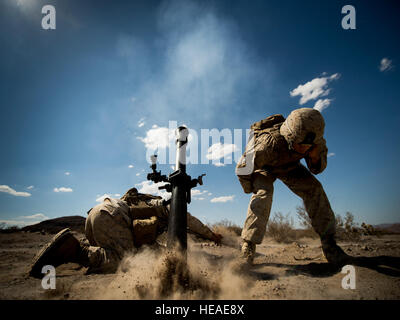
x,y
274,158
118,226
109,231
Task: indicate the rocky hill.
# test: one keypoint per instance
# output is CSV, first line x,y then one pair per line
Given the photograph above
x,y
389,227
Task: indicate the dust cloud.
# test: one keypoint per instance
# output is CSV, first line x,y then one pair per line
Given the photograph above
x,y
158,274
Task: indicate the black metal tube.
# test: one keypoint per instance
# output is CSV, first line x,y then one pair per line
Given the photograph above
x,y
177,220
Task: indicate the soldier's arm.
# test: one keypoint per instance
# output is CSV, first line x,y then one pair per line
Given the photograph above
x,y
149,208
316,158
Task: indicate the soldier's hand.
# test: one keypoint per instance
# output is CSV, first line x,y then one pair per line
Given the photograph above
x,y
314,154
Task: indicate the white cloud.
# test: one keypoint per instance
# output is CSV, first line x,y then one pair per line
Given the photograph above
x,y
67,173
30,187
152,188
130,166
101,198
138,174
107,195
198,194
385,65
219,164
331,154
209,193
222,199
314,89
322,104
9,190
62,189
38,216
141,122
22,221
161,138
12,223
158,138
219,150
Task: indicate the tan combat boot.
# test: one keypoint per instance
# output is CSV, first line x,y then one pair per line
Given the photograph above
x,y
63,248
333,253
248,251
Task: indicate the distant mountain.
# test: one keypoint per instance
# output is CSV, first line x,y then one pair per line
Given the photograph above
x,y
390,227
75,223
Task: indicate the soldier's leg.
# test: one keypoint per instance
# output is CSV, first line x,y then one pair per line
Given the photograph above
x,y
316,203
110,237
259,208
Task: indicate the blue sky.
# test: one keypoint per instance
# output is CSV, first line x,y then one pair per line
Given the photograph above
x,y
80,102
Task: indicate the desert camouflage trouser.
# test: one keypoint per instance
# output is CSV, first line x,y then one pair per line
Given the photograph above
x,y
111,236
303,184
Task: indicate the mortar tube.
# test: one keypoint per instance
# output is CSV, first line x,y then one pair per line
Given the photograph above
x,y
177,221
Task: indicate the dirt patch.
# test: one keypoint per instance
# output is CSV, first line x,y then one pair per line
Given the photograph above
x,y
295,270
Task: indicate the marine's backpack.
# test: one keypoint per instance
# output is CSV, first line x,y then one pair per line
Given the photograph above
x,y
245,166
260,126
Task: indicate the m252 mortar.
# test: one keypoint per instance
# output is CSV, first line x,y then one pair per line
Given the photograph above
x,y
180,184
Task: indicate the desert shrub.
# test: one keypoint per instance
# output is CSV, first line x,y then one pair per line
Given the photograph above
x,y
281,228
230,232
228,225
307,230
367,229
346,228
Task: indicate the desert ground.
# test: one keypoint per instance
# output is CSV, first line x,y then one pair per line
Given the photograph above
x,y
297,270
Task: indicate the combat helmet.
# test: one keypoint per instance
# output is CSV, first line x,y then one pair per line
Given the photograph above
x,y
304,125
